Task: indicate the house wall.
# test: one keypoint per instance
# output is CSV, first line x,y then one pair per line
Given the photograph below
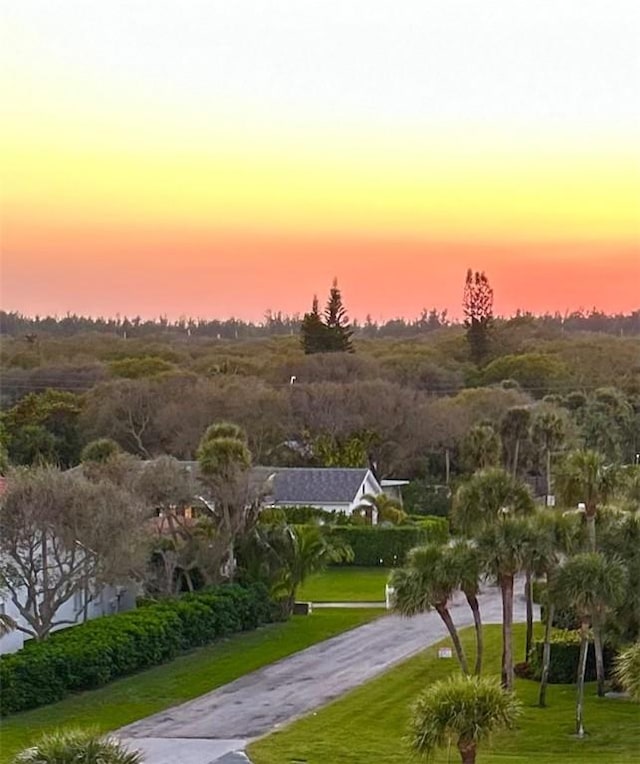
x,y
109,601
369,486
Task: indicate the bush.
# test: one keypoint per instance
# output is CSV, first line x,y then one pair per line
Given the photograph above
x,y
423,498
565,651
388,546
72,746
94,653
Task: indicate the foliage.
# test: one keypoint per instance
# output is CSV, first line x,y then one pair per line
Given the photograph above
x,y
135,368
536,373
83,534
100,650
283,556
388,510
100,450
77,746
43,428
461,710
387,546
627,670
331,335
421,497
481,447
564,658
477,305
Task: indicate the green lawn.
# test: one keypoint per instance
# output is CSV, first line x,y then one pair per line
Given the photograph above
x,y
134,697
369,723
349,584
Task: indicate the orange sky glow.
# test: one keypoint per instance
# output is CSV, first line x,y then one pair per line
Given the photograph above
x,y
220,160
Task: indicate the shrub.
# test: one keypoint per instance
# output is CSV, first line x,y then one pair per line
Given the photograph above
x,y
73,746
388,546
94,653
565,651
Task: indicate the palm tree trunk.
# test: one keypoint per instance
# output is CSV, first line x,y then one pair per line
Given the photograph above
x,y
546,656
591,528
582,665
528,593
597,644
506,589
447,466
548,472
477,622
467,750
444,613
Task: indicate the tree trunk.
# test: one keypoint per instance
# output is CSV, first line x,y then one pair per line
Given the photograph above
x,y
546,656
447,466
477,622
548,471
444,613
516,457
597,645
506,589
582,665
528,593
467,750
591,527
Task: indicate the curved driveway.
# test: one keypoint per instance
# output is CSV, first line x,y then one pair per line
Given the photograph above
x,y
224,720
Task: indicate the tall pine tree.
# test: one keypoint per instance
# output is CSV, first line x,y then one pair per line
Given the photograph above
x,y
331,335
339,331
313,331
477,304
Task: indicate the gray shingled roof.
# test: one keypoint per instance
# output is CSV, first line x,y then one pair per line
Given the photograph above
x,y
317,485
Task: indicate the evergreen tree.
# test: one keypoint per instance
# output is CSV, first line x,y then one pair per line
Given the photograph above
x,y
313,331
477,304
339,331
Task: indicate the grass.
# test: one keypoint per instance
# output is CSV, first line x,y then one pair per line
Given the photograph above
x,y
129,699
349,584
369,723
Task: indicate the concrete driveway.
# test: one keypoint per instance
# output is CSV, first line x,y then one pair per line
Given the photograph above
x,y
214,727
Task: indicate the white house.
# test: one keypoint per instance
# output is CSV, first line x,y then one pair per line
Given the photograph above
x,y
334,489
109,600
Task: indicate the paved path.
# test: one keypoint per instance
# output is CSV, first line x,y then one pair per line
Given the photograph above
x,y
205,730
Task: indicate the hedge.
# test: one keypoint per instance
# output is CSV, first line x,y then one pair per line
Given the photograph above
x,y
90,655
388,546
565,651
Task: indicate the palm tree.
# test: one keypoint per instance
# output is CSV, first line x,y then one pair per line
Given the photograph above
x,y
502,547
74,745
627,670
548,433
464,710
285,555
462,557
514,429
557,537
586,478
487,497
427,582
7,625
591,584
389,510
481,447
492,503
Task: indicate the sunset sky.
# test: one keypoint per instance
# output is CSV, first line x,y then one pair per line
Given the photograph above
x,y
222,157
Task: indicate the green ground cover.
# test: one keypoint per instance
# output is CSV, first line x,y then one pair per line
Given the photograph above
x,y
195,673
348,584
368,724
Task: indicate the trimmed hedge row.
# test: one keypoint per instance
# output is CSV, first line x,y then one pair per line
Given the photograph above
x,y
565,651
90,655
388,547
